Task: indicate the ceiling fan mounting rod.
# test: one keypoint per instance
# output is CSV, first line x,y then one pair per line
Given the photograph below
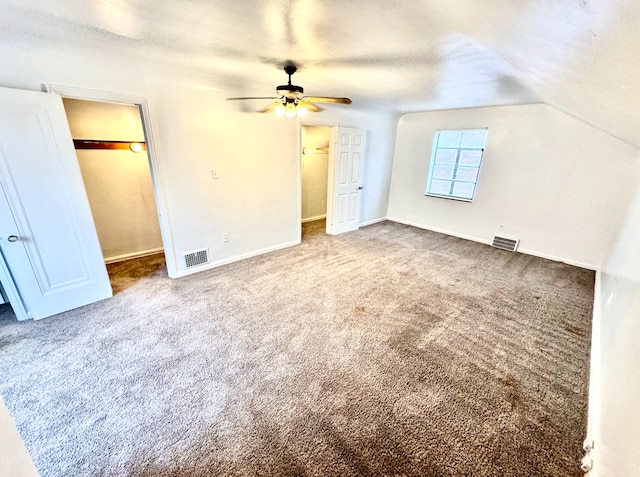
x,y
289,90
290,69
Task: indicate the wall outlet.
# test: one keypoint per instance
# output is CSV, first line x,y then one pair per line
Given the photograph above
x,y
501,227
225,237
214,175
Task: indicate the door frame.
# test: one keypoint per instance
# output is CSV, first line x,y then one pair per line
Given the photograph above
x,y
331,162
331,126
72,92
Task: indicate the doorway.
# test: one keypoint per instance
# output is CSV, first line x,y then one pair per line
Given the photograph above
x,y
139,102
111,151
314,171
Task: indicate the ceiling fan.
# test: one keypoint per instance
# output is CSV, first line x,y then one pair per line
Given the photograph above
x,y
290,99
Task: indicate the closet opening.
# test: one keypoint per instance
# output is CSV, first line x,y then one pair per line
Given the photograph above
x,y
314,170
112,154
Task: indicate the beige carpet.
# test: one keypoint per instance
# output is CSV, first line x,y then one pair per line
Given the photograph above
x,y
387,351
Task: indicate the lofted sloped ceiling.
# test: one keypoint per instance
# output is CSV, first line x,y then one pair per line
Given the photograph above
x,y
579,56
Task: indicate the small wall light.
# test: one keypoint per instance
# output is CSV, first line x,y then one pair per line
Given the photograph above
x,y
136,147
315,150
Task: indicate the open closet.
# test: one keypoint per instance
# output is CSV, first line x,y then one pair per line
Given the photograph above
x,y
315,170
110,147
55,200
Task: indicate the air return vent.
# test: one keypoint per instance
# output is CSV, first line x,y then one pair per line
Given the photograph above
x,y
505,243
197,257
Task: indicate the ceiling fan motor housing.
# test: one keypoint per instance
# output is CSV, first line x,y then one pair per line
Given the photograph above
x,y
290,91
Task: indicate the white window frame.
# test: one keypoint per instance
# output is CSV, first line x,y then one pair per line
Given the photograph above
x,y
431,189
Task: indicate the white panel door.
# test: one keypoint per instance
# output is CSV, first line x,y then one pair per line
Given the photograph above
x,y
345,185
48,239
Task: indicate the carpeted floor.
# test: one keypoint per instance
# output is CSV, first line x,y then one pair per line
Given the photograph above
x,y
387,351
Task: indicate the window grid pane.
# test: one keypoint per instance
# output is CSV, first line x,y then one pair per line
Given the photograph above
x,y
455,164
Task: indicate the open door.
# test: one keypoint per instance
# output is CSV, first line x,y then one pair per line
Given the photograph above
x,y
346,158
49,246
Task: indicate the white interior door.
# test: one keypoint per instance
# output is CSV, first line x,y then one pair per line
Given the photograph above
x,y
48,241
346,158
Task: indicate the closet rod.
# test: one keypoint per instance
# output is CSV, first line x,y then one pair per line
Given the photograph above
x,y
95,144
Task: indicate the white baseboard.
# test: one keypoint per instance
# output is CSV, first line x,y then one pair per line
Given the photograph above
x,y
440,231
588,266
594,407
129,256
236,258
312,219
371,222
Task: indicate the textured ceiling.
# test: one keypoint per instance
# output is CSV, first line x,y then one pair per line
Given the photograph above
x,y
580,56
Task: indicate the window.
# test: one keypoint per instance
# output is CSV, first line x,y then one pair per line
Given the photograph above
x,y
455,163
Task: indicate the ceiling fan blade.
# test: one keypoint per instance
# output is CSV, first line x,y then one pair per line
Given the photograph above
x,y
252,97
269,107
327,99
310,106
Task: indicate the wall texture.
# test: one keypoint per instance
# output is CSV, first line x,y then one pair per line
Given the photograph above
x,y
118,182
552,181
617,421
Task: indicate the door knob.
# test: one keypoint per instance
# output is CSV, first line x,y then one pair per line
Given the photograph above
x,y
360,188
12,238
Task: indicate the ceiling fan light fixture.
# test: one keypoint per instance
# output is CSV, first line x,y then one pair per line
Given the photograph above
x,y
290,110
290,99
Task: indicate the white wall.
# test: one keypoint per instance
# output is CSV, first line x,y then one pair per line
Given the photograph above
x,y
378,161
315,168
551,180
118,182
14,457
615,409
256,199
